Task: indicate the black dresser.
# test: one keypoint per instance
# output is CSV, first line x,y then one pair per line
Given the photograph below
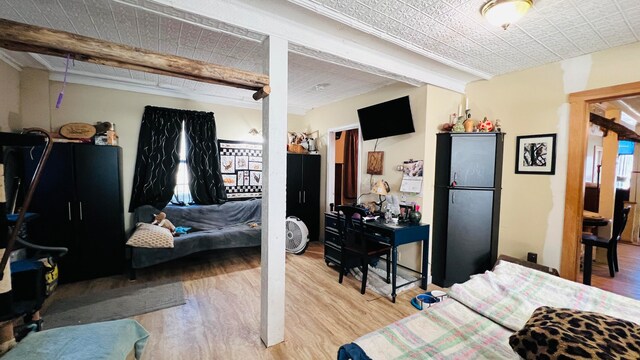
x,y
466,207
303,190
79,199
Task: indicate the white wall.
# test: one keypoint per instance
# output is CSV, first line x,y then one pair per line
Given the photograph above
x,y
591,173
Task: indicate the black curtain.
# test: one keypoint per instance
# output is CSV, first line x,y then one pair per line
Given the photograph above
x,y
158,157
203,159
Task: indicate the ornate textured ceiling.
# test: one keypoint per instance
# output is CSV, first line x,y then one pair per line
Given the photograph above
x,y
355,46
453,31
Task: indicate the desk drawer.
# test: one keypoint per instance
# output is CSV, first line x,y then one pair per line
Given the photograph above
x,y
332,253
378,236
331,221
331,234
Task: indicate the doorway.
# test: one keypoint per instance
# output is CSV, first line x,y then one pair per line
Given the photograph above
x,y
344,155
577,152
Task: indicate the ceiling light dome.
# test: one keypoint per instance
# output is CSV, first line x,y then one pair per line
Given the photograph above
x,y
505,12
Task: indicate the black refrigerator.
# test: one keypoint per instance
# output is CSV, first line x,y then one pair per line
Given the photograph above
x,y
466,210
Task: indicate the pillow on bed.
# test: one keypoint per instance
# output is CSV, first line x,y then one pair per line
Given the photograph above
x,y
151,236
553,333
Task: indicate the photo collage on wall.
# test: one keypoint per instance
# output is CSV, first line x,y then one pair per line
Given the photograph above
x,y
241,165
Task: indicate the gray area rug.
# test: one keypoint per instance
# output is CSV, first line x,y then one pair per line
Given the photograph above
x,y
114,304
376,279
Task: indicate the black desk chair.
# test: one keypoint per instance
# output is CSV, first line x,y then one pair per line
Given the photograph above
x,y
354,243
611,245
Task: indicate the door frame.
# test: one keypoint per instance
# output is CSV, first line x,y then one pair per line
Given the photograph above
x,y
331,161
577,152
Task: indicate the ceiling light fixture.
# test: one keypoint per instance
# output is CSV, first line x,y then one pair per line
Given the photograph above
x,y
505,12
321,87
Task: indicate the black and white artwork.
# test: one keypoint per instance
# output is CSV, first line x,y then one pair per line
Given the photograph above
x,y
227,164
255,178
536,154
240,159
242,162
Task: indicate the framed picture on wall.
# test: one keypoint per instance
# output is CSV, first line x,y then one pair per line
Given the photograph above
x,y
536,154
375,161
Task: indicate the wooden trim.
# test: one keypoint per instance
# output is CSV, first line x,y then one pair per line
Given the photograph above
x,y
607,93
574,195
22,37
578,128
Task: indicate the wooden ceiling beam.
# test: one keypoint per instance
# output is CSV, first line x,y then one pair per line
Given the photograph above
x,y
22,37
624,133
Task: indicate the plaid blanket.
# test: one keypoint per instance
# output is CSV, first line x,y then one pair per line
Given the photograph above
x,y
510,293
447,330
482,313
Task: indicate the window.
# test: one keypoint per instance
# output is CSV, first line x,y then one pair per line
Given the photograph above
x,y
181,193
624,167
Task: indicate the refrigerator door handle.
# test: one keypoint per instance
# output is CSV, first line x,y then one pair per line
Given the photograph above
x,y
455,177
304,196
453,198
80,210
299,197
69,209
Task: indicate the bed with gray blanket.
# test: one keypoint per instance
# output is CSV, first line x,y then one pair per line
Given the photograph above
x,y
230,225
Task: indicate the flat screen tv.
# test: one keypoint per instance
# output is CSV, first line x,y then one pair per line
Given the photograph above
x,y
386,119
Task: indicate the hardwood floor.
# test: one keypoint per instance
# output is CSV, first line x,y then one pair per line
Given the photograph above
x,y
627,281
221,318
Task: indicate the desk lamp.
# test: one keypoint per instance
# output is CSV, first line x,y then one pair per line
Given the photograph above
x,y
382,189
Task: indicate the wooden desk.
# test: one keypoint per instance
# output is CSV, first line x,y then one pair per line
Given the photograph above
x,y
393,234
594,222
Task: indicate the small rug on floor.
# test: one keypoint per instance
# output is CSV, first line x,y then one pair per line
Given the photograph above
x,y
114,304
376,279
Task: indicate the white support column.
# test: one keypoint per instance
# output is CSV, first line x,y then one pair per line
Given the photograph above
x,y
274,162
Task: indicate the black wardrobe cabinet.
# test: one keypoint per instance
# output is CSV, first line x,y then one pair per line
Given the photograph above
x,y
303,191
79,200
466,206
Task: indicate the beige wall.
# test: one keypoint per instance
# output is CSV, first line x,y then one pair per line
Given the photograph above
x,y
441,104
34,99
91,104
528,102
9,97
534,101
430,106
